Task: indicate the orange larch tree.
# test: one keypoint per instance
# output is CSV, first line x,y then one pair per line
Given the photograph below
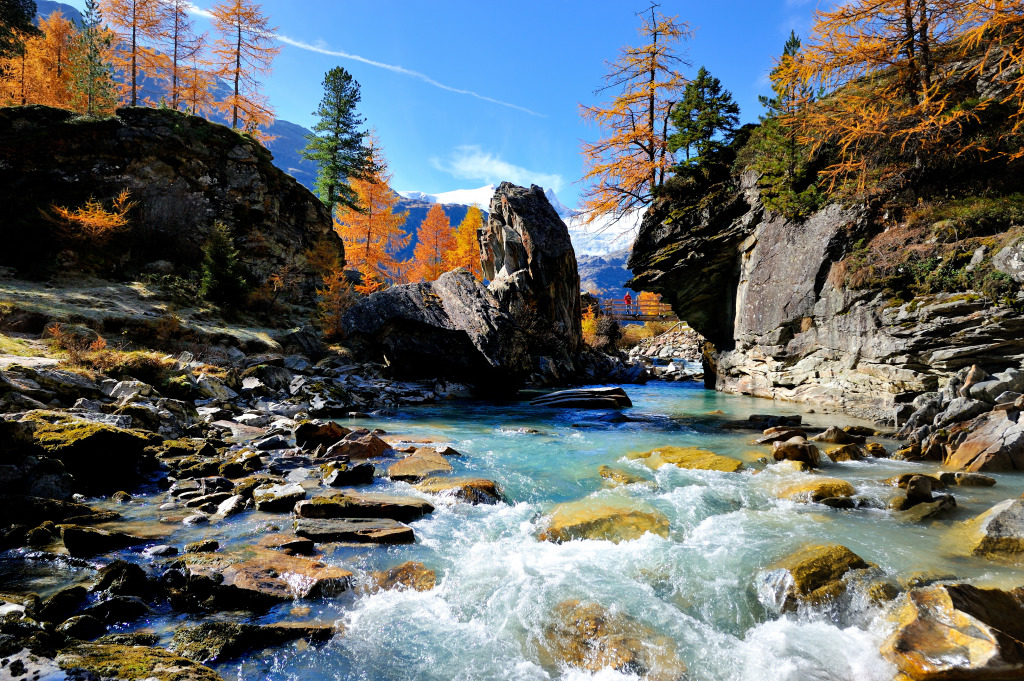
x,y
373,234
467,243
196,83
244,50
626,166
54,57
138,25
882,68
997,30
183,50
435,246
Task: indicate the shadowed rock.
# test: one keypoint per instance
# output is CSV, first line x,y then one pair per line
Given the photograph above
x,y
450,328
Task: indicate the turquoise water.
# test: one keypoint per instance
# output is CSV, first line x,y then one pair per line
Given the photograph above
x,y
699,586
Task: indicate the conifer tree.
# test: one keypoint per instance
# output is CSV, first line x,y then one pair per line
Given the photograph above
x,y
372,232
435,244
337,143
92,83
137,25
244,50
182,48
467,243
223,278
54,58
17,22
629,164
705,120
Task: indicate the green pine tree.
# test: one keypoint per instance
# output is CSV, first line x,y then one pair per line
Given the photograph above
x,y
92,81
17,20
705,121
786,176
337,143
223,280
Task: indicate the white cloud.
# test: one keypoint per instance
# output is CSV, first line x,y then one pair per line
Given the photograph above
x,y
470,162
320,47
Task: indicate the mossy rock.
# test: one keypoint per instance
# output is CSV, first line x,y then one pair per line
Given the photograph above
x,y
816,489
611,520
220,641
692,458
814,575
133,663
103,459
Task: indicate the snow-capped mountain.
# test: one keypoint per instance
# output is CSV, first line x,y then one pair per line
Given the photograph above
x,y
600,237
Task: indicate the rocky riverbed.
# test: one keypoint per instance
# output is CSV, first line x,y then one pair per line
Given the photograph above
x,y
279,518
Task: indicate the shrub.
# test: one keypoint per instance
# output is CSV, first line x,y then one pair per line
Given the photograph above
x,y
334,299
92,223
75,341
223,279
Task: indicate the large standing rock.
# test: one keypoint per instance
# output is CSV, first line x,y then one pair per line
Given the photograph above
x,y
529,259
958,631
997,444
450,328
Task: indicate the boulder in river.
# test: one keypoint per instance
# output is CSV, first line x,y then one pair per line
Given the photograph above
x,y
451,328
121,662
692,458
354,530
590,637
222,641
998,533
90,541
528,257
585,398
816,488
995,444
423,463
408,575
258,578
958,631
354,504
796,449
470,490
812,576
613,520
278,498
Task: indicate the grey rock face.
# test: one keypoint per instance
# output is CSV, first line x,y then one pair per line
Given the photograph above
x,y
528,257
768,293
1010,260
450,328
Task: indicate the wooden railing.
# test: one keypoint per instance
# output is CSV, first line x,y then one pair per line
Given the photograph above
x,y
637,311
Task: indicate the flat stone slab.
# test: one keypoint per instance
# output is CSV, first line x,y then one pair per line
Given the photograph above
x,y
354,530
364,505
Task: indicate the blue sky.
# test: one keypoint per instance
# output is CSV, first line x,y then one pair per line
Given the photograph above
x,y
528,63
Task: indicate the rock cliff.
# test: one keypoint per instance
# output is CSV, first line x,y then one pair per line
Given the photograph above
x,y
771,295
184,172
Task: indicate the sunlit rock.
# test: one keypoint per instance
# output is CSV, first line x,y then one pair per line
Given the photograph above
x,y
689,457
614,520
958,631
811,576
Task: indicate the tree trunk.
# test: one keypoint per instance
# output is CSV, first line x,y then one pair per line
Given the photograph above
x,y
238,72
910,39
135,21
925,51
650,107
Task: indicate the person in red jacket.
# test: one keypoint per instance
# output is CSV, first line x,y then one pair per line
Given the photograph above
x,y
628,300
